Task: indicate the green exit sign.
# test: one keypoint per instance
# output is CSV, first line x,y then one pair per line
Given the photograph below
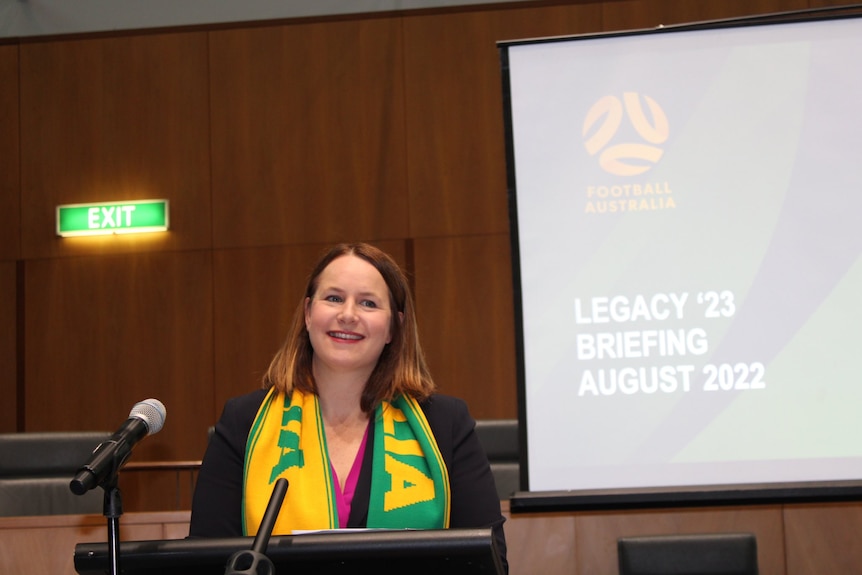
x,y
112,218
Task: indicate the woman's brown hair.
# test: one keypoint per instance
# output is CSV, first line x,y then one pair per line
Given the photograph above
x,y
401,367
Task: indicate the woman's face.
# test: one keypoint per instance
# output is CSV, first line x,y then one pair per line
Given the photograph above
x,y
348,318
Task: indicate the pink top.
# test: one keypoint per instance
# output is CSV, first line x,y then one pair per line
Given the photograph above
x,y
344,499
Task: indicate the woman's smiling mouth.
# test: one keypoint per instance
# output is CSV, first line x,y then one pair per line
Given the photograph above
x,y
344,336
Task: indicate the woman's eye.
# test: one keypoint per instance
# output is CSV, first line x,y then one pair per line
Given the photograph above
x,y
332,298
368,303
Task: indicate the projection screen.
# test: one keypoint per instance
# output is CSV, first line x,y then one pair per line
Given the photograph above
x,y
686,210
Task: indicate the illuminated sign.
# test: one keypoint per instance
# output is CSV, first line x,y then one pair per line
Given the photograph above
x,y
112,218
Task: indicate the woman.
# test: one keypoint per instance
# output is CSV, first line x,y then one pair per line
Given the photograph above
x,y
348,415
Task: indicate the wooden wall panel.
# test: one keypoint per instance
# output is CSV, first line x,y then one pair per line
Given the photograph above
x,y
823,538
456,148
158,490
113,119
106,332
633,14
8,347
256,295
10,243
464,303
308,133
10,234
597,533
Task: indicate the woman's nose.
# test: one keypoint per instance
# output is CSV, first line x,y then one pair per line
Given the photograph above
x,y
348,312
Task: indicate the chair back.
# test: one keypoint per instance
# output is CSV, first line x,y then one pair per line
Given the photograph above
x,y
37,467
499,437
695,554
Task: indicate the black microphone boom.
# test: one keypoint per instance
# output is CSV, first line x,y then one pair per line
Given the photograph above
x,y
146,418
254,561
267,524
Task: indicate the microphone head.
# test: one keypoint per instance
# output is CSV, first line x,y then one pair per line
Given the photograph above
x,y
152,413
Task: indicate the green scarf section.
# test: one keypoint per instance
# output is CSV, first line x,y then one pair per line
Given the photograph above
x,y
409,481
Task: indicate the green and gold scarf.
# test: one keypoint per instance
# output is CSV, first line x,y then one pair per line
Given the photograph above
x,y
409,481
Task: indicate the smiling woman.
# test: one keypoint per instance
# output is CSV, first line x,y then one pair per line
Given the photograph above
x,y
348,414
348,320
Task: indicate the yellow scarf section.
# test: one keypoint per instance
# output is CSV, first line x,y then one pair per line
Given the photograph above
x,y
409,481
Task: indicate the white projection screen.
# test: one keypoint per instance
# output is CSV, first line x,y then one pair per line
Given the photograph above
x,y
686,210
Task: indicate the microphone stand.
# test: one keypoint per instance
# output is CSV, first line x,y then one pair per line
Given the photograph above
x,y
103,467
112,509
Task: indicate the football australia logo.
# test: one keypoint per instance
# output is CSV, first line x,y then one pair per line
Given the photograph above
x,y
625,152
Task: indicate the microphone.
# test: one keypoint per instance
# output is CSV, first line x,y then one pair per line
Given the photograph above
x,y
254,562
146,418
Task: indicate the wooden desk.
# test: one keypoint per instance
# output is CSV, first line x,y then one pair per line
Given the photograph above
x,y
806,539
46,544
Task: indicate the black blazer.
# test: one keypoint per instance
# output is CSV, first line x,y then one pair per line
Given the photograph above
x,y
217,502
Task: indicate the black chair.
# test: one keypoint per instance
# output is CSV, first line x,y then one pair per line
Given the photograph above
x,y
37,467
699,554
499,437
